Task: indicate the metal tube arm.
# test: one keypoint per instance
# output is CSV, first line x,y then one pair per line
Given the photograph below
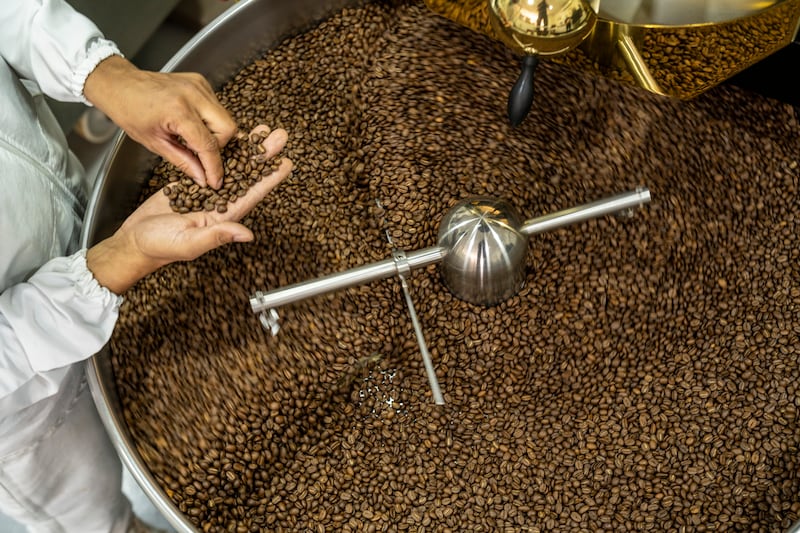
x,y
263,301
598,208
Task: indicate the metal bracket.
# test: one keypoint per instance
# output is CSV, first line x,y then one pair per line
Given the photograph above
x,y
270,321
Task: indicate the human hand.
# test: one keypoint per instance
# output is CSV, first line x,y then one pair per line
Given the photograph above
x,y
175,115
154,235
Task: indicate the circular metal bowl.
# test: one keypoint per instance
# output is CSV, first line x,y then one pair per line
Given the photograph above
x,y
227,44
218,52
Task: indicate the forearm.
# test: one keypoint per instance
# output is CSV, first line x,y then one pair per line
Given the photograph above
x,y
115,266
101,86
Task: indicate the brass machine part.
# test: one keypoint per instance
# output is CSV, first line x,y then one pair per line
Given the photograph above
x,y
679,59
542,27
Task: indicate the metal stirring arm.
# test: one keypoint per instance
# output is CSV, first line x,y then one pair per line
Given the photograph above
x,y
487,244
264,302
402,263
573,215
399,265
403,269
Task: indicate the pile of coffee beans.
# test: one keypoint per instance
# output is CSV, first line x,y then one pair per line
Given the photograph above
x,y
473,14
686,60
646,378
245,163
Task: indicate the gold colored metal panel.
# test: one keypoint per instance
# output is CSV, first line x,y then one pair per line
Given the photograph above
x,y
711,43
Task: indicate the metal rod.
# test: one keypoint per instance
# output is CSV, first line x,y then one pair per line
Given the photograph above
x,y
595,209
262,301
423,347
637,66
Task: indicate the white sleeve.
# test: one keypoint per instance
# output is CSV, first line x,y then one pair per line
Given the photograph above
x,y
48,42
60,316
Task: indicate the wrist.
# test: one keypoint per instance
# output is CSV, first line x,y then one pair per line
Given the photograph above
x,y
115,266
99,85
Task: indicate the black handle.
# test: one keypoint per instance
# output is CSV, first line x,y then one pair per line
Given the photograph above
x,y
521,96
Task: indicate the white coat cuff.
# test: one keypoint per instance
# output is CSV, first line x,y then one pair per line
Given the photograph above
x,y
97,50
61,315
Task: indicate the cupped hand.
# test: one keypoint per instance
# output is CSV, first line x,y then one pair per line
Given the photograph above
x,y
175,115
154,235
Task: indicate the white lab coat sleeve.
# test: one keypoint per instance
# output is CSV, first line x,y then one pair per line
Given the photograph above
x,y
60,316
48,42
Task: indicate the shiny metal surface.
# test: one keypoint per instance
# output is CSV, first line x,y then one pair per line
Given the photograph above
x,y
678,48
485,260
574,215
482,244
680,12
234,39
542,27
436,391
486,244
263,301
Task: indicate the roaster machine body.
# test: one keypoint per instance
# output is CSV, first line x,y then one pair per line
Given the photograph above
x,y
230,42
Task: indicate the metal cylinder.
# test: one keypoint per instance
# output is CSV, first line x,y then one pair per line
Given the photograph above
x,y
581,213
262,301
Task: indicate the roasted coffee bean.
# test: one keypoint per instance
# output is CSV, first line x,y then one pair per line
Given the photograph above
x,y
239,172
644,378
